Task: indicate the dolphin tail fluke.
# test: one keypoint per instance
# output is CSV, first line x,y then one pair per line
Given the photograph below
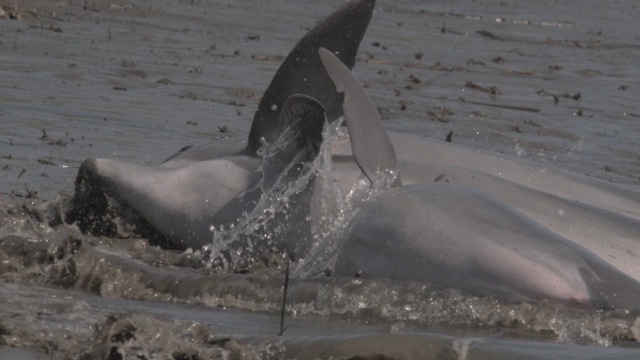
x,y
370,143
301,72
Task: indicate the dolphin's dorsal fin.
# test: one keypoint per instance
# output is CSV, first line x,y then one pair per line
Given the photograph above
x,y
301,72
370,143
300,129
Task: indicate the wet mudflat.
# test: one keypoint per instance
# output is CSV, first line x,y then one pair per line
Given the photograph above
x,y
556,83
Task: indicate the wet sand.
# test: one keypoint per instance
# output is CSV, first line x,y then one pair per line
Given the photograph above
x,y
136,82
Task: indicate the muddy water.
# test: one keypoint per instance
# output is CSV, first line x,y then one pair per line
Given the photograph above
x,y
135,81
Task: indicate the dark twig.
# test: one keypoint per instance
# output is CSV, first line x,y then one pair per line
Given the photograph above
x,y
449,136
501,106
284,300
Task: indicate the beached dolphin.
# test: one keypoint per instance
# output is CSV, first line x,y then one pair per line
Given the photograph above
x,y
600,216
184,203
212,185
456,236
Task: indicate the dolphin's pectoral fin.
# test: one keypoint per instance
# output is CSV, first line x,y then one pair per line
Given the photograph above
x,y
301,72
370,143
300,125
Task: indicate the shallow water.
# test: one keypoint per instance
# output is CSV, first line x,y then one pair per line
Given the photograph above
x,y
137,82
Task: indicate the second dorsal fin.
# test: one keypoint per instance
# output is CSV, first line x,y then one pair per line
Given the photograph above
x,y
370,143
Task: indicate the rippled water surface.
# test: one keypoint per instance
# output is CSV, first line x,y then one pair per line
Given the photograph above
x,y
553,82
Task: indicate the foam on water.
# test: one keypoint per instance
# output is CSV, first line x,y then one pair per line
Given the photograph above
x,y
119,270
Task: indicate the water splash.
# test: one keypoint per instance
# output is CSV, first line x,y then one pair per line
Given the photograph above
x,y
301,210
278,212
330,210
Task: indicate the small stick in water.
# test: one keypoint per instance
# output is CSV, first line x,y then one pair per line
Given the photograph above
x,y
284,300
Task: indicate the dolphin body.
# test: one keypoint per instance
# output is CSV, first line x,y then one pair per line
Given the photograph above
x,y
183,202
210,186
455,235
600,216
217,184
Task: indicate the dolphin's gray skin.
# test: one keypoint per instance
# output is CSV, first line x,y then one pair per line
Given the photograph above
x,y
211,184
214,184
598,215
458,237
183,202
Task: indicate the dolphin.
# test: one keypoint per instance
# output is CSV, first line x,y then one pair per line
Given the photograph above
x,y
184,202
457,236
598,215
217,185
200,188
